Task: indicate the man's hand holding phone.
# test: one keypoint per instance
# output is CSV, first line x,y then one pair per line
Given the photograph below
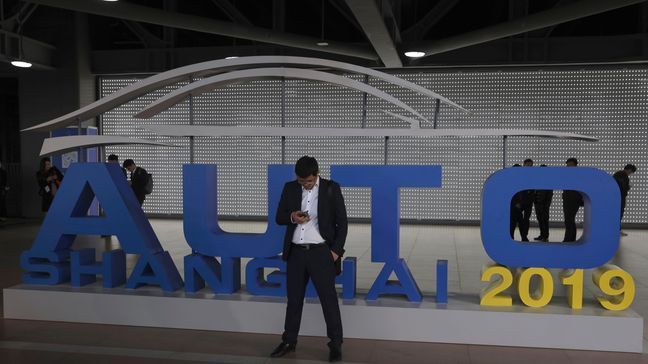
x,y
300,217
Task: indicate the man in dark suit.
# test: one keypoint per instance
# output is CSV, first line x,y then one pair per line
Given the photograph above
x,y
516,211
572,201
3,193
138,180
542,203
313,210
521,205
623,180
526,204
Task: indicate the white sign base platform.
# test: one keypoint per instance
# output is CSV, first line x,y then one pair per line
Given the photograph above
x,y
461,321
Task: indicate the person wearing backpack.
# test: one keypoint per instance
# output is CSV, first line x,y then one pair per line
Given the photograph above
x,y
139,179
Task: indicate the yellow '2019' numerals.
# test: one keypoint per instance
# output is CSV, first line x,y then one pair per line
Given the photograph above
x,y
573,279
544,292
492,294
617,286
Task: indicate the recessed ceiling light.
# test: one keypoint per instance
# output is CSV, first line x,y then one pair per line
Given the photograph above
x,y
231,57
322,44
21,64
110,0
414,54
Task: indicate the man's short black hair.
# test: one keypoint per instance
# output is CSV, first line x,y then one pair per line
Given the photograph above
x,y
528,160
630,167
113,157
128,163
306,166
543,165
572,160
517,165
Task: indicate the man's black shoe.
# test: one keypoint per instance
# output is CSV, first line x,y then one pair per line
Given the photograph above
x,y
335,354
283,349
525,239
538,238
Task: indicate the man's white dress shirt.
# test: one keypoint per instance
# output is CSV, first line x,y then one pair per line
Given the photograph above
x,y
308,233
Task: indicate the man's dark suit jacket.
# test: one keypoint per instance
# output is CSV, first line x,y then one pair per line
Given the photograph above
x,y
624,182
331,214
139,178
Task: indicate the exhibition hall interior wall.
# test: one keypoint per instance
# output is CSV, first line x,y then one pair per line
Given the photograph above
x,y
607,102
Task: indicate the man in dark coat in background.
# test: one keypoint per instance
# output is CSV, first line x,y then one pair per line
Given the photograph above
x,y
3,193
572,201
138,180
541,203
623,180
526,204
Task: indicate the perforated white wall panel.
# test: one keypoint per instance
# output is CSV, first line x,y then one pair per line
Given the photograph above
x,y
242,161
609,103
164,163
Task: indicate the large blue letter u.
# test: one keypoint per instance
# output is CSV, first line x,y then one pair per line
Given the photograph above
x,y
201,228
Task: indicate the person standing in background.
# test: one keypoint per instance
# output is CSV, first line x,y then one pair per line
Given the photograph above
x,y
517,202
572,201
526,204
3,193
623,180
138,180
541,203
49,180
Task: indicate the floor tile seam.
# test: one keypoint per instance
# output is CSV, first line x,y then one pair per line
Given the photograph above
x,y
128,352
144,353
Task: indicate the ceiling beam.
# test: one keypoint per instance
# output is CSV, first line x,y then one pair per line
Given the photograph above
x,y
279,15
40,54
387,11
543,19
232,12
418,30
148,39
342,8
150,15
373,25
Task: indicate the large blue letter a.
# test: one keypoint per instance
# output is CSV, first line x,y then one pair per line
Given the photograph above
x,y
68,218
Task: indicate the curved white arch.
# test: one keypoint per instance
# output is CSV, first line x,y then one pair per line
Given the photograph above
x,y
414,124
218,66
67,143
218,131
210,83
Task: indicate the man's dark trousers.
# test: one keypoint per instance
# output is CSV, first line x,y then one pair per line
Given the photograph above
x,y
542,214
524,223
315,263
515,220
570,210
